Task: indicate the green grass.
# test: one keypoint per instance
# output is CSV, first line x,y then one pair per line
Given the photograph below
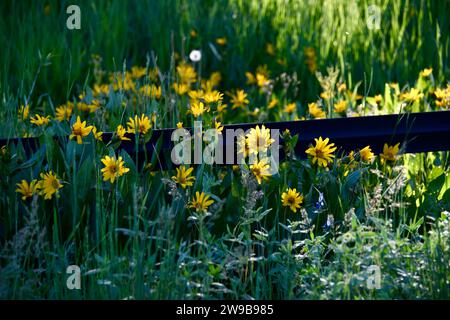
x,y
413,35
138,239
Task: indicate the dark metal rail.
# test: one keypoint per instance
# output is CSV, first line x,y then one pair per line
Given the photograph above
x,y
419,132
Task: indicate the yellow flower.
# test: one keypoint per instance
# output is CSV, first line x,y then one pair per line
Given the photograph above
x,y
378,98
258,139
24,111
197,109
389,152
342,87
114,168
92,107
413,95
270,49
195,95
221,41
273,103
79,130
218,126
213,97
282,62
322,152
351,155
27,190
315,111
186,73
354,96
311,59
40,121
138,72
366,154
426,72
290,108
326,95
443,97
180,88
239,99
193,33
139,125
83,107
442,93
221,108
243,146
100,89
63,112
261,170
97,134
341,106
261,80
250,78
180,125
121,133
292,199
214,79
123,83
200,202
151,91
49,184
183,177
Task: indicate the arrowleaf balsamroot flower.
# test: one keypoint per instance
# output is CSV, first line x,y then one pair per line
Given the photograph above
x,y
114,168
121,133
426,72
139,125
412,95
389,152
183,177
213,97
63,112
39,120
97,134
200,202
195,95
49,184
261,170
322,152
316,111
258,139
79,130
27,190
198,108
239,99
273,103
290,108
24,111
186,73
151,91
341,106
262,80
221,41
292,199
366,154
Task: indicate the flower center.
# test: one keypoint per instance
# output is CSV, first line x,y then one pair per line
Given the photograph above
x,y
55,183
113,168
319,153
